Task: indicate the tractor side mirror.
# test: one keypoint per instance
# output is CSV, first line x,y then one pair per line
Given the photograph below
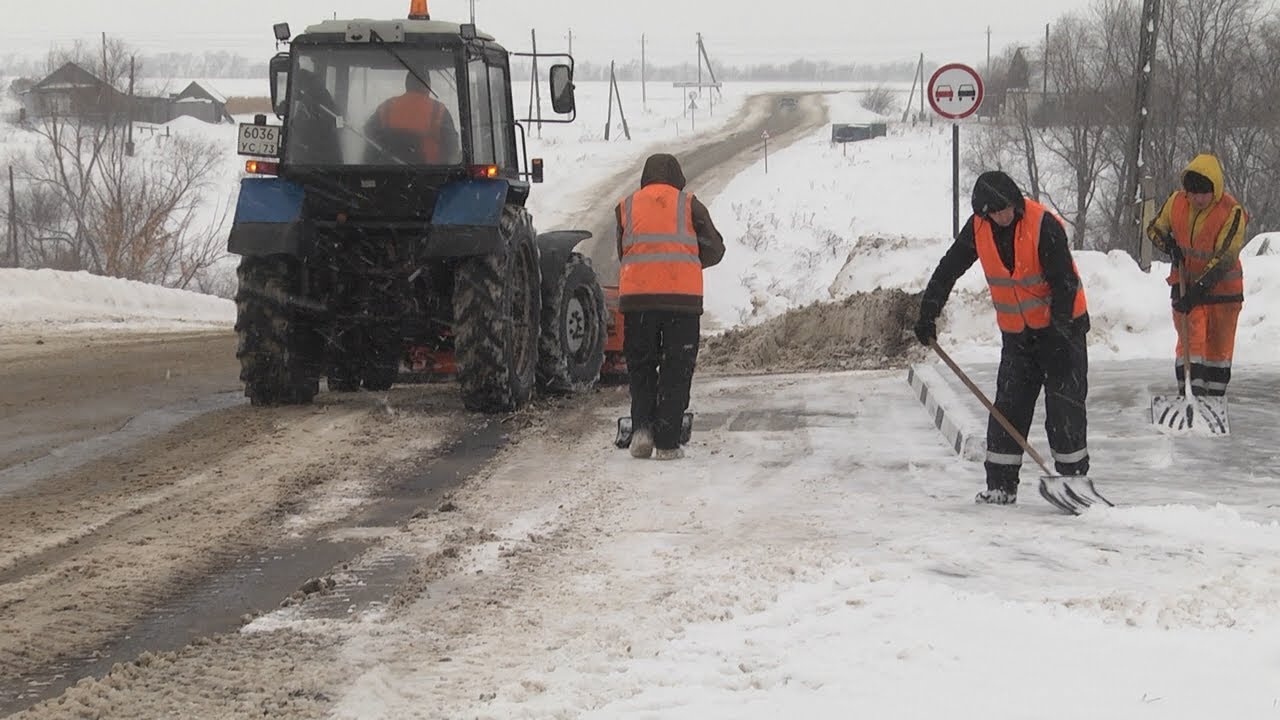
x,y
562,89
281,31
468,31
279,69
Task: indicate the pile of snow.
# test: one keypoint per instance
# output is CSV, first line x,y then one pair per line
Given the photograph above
x,y
33,300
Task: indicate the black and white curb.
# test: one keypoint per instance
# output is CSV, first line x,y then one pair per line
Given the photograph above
x,y
961,428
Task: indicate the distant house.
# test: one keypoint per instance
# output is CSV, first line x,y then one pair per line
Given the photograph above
x,y
71,91
202,102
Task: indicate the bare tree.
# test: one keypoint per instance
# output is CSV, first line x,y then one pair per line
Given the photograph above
x,y
94,207
1079,73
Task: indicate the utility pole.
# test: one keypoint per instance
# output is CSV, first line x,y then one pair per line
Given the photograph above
x,y
699,63
1134,165
128,143
644,96
1045,89
988,69
13,220
536,95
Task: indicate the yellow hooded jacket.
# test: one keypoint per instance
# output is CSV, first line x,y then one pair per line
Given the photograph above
x,y
1222,263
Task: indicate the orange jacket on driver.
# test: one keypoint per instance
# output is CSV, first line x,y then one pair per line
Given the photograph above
x,y
659,244
420,114
1022,298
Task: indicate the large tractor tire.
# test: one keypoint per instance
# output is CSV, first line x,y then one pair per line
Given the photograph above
x,y
279,348
497,305
571,346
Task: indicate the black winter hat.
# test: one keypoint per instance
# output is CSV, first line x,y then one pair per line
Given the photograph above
x,y
995,191
1194,182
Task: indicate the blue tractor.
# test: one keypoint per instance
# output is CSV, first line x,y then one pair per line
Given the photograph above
x,y
373,250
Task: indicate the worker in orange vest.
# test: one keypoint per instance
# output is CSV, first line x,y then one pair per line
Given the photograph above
x,y
1202,228
1042,315
665,240
415,127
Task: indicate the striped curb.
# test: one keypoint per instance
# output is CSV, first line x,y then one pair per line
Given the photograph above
x,y
962,431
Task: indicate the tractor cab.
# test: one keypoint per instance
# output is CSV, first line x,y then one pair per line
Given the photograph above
x,y
378,107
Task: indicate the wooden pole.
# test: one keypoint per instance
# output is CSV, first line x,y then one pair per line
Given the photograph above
x,y
644,95
537,87
128,144
13,220
608,122
1133,161
912,95
1045,84
621,113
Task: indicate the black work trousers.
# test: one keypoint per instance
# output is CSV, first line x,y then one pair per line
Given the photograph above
x,y
1058,362
661,349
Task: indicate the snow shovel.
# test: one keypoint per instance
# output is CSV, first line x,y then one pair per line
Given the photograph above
x,y
1069,494
626,429
1188,413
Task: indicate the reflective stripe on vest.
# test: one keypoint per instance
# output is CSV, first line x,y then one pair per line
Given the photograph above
x,y
418,114
1200,248
659,244
1022,298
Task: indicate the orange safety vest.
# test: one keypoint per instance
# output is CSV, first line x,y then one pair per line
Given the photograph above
x,y
421,115
1199,249
1022,298
659,244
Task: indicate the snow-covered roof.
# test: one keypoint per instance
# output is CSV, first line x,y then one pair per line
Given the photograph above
x,y
200,91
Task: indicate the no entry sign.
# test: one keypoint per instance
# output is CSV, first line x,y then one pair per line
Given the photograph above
x,y
955,91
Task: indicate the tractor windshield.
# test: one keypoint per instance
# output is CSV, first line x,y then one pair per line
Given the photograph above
x,y
358,105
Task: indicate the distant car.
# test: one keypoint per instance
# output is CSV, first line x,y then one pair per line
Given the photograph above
x,y
943,92
787,102
967,91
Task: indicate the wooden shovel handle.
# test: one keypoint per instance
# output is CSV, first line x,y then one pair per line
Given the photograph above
x,y
999,416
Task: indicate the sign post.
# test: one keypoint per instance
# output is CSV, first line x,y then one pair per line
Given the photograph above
x,y
765,136
955,92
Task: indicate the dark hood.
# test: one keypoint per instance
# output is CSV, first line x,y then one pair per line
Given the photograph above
x,y
995,190
662,168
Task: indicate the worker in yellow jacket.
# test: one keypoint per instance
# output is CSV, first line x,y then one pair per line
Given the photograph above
x,y
1202,228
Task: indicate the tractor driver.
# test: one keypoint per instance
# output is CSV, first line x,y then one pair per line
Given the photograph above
x,y
415,127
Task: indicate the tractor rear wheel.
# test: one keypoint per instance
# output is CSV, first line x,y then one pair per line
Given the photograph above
x,y
497,305
571,347
278,345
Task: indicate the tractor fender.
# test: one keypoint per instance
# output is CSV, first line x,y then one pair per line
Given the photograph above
x,y
268,219
467,218
554,249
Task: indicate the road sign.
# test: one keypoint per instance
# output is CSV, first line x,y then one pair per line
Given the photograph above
x,y
955,91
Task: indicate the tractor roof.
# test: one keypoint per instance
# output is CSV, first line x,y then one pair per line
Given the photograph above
x,y
410,27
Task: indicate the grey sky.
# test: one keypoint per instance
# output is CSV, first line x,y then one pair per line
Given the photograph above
x,y
839,30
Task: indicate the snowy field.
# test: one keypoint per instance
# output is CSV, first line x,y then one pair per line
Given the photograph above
x,y
818,553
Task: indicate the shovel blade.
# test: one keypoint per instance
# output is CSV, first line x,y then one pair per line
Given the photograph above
x,y
626,429
1071,494
1198,415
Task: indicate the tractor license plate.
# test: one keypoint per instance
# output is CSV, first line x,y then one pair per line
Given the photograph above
x,y
259,140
